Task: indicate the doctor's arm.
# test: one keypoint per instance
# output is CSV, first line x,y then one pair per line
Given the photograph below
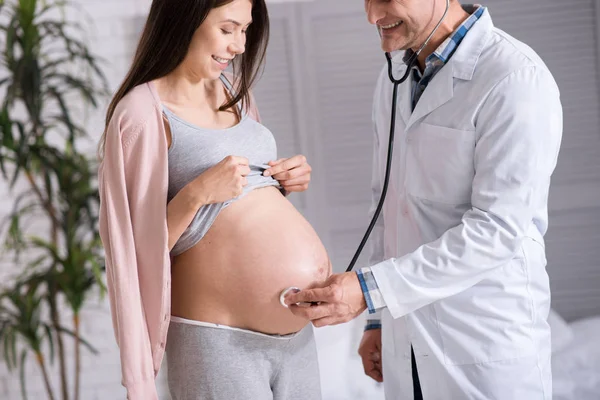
x,y
518,130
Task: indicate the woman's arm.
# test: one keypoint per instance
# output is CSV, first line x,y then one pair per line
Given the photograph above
x,y
180,212
126,215
222,182
182,208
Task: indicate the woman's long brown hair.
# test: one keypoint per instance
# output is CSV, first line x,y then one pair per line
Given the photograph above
x,y
165,41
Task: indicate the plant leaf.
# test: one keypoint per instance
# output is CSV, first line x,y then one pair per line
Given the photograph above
x,y
91,348
22,377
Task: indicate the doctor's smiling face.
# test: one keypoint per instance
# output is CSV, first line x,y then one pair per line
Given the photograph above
x,y
404,24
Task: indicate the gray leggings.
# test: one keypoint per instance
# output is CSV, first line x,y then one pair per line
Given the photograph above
x,y
215,362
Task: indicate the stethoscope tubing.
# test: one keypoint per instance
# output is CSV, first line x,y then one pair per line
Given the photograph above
x,y
396,82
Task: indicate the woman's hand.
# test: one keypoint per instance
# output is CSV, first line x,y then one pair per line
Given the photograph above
x,y
292,173
222,182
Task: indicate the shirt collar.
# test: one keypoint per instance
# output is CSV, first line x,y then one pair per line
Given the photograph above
x,y
443,53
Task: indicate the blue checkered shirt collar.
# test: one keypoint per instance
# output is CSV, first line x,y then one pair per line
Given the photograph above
x,y
443,53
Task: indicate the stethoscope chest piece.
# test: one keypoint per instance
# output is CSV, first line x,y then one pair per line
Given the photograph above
x,y
285,293
295,289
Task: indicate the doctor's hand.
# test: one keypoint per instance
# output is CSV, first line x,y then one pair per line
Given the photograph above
x,y
339,299
292,173
370,353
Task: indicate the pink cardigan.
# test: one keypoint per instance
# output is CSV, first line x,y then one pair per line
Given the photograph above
x,y
133,181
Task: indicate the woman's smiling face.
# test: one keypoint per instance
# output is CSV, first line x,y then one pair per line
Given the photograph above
x,y
220,38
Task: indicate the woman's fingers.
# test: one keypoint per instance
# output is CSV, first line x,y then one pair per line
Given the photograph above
x,y
297,172
283,165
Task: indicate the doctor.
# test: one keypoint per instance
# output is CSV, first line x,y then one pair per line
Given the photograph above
x,y
457,287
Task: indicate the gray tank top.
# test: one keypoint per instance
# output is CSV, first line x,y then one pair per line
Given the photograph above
x,y
193,150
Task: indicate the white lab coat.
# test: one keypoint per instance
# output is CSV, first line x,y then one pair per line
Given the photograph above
x,y
460,249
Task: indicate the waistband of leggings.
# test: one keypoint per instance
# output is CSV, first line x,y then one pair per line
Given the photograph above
x,y
180,320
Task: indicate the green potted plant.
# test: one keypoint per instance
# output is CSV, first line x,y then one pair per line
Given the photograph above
x,y
47,78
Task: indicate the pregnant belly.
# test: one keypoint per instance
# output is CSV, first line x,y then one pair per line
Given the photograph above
x,y
256,247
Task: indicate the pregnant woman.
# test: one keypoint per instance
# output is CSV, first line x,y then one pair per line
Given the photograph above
x,y
200,239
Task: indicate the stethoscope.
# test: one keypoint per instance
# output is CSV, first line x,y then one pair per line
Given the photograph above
x,y
396,82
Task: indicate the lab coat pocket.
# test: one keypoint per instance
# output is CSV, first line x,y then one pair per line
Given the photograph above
x,y
493,321
440,164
